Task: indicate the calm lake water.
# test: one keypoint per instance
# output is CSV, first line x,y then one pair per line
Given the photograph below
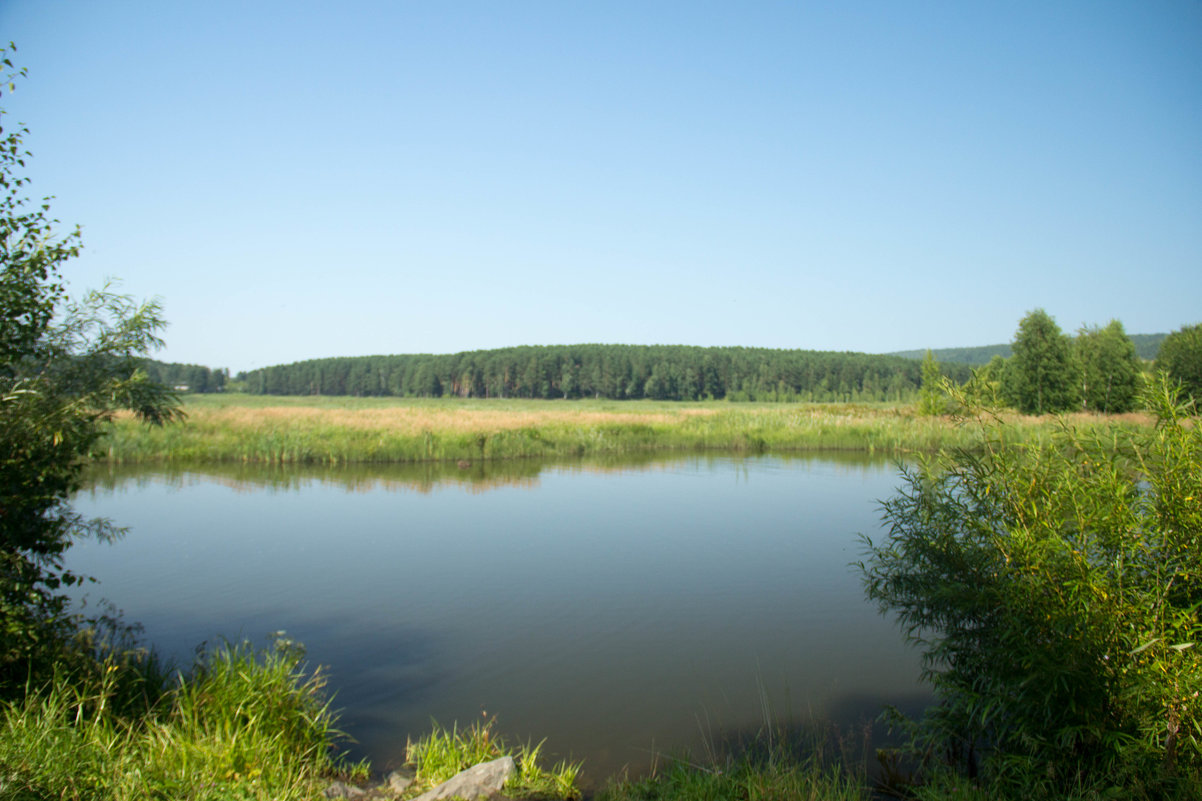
x,y
614,609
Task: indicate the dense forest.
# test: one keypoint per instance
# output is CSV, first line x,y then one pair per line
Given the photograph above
x,y
1095,358
187,377
659,372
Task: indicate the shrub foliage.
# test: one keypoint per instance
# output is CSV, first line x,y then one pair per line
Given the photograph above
x,y
1055,588
65,368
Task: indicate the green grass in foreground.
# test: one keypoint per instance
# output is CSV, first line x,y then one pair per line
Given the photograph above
x,y
444,752
252,726
244,428
241,725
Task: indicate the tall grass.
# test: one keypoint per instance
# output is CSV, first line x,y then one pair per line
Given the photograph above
x,y
242,725
239,428
444,752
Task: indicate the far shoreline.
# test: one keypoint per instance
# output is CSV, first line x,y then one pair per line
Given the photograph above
x,y
314,430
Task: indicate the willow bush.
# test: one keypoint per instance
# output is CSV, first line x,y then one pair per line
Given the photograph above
x,y
1055,586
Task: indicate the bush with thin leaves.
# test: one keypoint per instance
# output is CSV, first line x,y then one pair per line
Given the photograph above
x,y
65,369
1055,588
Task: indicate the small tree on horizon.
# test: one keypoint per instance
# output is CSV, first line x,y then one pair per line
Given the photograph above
x,y
1108,369
1040,374
1180,356
931,399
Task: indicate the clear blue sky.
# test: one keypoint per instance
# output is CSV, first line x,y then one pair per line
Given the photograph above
x,y
306,179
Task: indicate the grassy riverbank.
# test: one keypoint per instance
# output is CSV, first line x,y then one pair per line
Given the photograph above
x,y
247,725
243,428
237,725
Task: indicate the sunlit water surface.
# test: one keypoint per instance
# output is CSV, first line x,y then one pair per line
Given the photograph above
x,y
614,609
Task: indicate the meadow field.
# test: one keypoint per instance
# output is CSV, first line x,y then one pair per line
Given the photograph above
x,y
321,429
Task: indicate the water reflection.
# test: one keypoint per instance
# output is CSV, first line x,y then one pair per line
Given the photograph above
x,y
425,477
606,605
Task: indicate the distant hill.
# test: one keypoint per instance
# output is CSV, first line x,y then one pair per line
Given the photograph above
x,y
973,356
1146,346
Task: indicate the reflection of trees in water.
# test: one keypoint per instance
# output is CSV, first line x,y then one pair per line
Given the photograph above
x,y
424,477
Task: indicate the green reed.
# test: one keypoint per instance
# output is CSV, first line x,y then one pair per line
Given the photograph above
x,y
240,725
239,428
444,752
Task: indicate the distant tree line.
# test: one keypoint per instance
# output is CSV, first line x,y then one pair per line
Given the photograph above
x,y
187,377
617,372
1098,370
1047,371
1146,347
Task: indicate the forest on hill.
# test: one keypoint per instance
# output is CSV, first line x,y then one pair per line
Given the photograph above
x,y
618,372
662,372
186,377
1146,347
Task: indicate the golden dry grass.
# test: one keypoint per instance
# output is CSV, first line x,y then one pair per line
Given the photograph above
x,y
323,429
459,419
416,420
